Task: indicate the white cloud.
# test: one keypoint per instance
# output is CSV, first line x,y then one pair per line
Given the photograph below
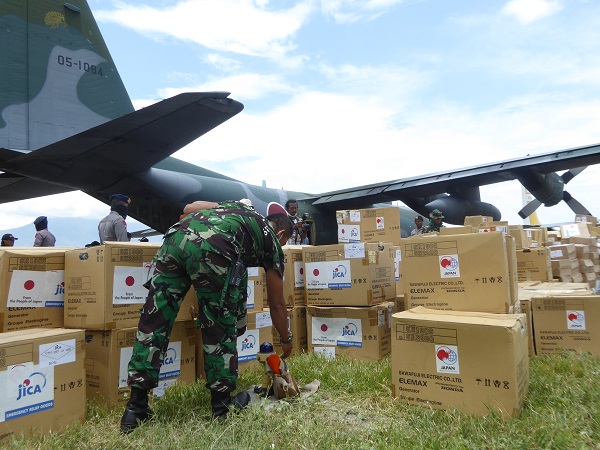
x,y
348,11
236,26
528,11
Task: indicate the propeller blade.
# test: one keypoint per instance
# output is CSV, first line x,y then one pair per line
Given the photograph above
x,y
529,208
575,206
572,173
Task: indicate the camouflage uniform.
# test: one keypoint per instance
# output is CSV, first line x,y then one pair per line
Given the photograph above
x,y
201,250
434,227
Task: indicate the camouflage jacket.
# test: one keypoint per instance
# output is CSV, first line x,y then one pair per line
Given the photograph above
x,y
231,229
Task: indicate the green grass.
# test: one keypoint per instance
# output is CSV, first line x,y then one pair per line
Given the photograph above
x,y
353,409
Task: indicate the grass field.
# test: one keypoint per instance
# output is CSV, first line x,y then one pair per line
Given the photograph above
x,y
353,409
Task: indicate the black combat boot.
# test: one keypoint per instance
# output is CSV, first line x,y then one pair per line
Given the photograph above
x,y
137,410
221,401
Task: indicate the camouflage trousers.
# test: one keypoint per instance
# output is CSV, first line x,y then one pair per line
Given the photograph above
x,y
179,264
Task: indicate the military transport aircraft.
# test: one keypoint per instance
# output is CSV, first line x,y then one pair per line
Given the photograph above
x,y
67,123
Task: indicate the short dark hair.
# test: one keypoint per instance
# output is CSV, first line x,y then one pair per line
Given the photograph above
x,y
282,221
289,202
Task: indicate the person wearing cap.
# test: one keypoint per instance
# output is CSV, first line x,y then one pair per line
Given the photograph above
x,y
209,250
435,221
419,224
8,240
43,237
113,227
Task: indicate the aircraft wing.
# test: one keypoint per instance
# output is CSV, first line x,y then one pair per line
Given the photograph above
x,y
15,187
461,182
101,156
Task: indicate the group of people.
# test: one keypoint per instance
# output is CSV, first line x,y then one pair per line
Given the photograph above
x,y
43,237
435,223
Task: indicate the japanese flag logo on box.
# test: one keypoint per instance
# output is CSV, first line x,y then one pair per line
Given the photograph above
x,y
37,289
576,320
446,359
449,266
128,285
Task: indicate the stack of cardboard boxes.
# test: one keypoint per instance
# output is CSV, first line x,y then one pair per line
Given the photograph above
x,y
461,299
42,371
350,287
88,302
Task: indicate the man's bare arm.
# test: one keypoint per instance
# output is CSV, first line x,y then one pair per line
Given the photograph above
x,y
198,205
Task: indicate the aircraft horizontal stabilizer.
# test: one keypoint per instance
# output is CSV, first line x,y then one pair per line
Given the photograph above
x,y
15,187
103,155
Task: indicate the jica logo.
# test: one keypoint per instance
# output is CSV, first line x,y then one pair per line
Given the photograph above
x,y
32,385
60,289
354,232
349,330
447,355
339,272
449,263
249,343
170,356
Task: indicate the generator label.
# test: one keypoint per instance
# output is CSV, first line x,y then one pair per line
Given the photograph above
x,y
27,389
37,289
446,359
328,275
575,320
339,331
449,266
128,285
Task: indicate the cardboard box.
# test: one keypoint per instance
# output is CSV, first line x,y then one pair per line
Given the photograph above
x,y
369,225
586,218
534,264
563,251
104,286
362,333
525,308
575,229
446,231
476,221
31,288
471,361
468,272
256,296
522,239
42,379
569,322
297,324
258,330
108,353
493,226
360,274
293,276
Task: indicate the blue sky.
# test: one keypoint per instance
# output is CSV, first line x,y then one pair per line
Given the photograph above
x,y
340,93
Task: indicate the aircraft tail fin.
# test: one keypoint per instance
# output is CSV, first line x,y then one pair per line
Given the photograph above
x,y
57,77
